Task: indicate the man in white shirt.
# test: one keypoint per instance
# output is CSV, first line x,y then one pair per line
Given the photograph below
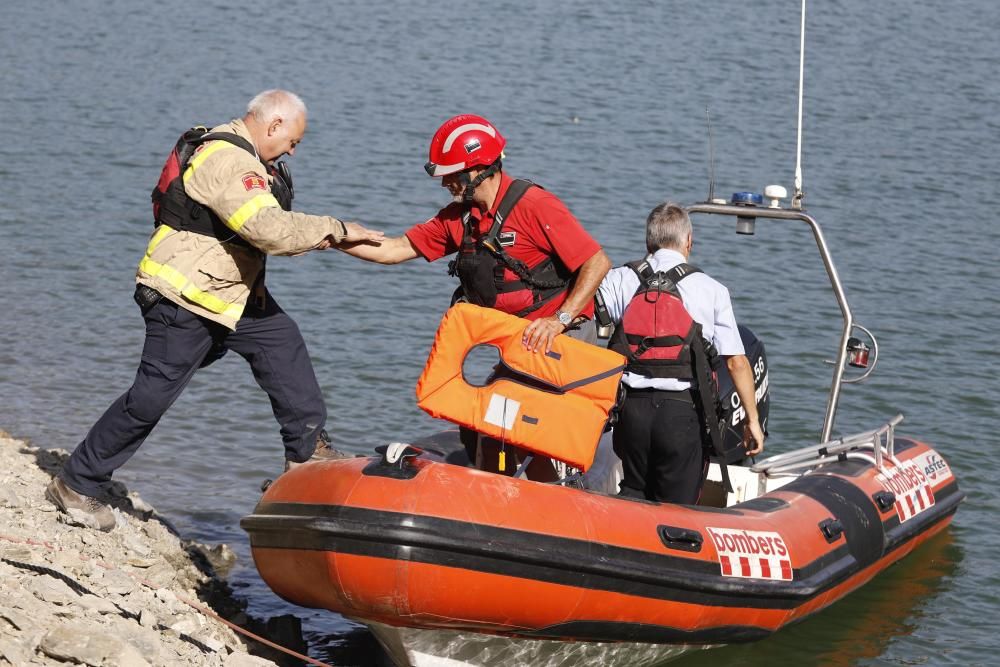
x,y
660,430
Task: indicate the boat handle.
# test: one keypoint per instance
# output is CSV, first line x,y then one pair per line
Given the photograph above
x,y
832,529
682,539
885,500
395,462
396,453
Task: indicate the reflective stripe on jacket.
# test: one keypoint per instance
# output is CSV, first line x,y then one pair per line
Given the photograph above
x,y
554,403
213,279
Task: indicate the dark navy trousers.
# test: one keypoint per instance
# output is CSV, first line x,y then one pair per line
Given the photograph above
x,y
178,342
658,439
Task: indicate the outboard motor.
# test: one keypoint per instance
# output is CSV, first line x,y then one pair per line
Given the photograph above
x,y
732,436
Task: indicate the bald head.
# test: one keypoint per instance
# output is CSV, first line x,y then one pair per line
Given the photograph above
x,y
276,120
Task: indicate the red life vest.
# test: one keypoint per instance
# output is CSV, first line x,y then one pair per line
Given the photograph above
x,y
657,334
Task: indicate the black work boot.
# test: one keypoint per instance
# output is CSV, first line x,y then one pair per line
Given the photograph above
x,y
324,452
99,514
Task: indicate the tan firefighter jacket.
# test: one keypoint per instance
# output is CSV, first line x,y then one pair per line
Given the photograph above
x,y
211,278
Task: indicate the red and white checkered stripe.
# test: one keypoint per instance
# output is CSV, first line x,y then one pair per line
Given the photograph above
x,y
756,567
914,502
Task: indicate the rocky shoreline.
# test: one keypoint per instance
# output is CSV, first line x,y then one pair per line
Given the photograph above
x,y
139,595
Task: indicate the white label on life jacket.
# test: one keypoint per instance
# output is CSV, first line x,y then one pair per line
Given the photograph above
x,y
502,411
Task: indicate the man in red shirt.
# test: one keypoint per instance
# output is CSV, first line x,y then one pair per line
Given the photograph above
x,y
518,247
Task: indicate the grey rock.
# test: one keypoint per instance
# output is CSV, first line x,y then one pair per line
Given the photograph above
x,y
75,517
28,604
16,619
139,504
160,574
131,657
220,556
67,560
8,498
52,590
15,652
147,619
209,639
94,603
17,552
117,582
81,642
184,624
134,543
166,595
142,563
147,642
245,660
45,622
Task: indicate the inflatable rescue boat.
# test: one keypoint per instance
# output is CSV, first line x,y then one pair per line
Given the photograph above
x,y
421,543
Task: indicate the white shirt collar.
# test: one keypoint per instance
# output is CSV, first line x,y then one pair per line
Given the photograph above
x,y
668,257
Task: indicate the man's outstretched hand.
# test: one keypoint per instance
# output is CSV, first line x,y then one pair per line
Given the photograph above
x,y
356,232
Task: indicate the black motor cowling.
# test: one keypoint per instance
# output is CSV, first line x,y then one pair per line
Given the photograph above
x,y
732,436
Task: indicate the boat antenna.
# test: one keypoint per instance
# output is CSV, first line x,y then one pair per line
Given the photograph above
x,y
799,195
711,158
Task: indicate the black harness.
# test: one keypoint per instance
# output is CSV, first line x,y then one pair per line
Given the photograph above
x,y
695,360
480,264
174,208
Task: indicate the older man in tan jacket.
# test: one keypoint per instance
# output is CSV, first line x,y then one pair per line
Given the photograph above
x,y
222,205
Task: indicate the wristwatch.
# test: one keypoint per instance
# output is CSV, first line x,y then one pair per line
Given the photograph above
x,y
564,318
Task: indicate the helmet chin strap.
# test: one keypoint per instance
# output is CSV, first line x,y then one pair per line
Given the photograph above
x,y
473,183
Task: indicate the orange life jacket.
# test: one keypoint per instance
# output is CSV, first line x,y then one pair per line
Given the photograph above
x,y
554,403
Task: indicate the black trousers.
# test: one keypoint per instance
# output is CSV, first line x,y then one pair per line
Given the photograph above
x,y
177,343
658,439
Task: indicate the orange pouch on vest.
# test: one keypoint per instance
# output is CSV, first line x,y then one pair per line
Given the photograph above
x,y
555,404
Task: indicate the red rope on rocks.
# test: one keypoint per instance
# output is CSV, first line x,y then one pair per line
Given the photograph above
x,y
194,605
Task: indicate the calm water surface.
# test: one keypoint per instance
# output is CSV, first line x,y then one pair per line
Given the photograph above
x,y
603,103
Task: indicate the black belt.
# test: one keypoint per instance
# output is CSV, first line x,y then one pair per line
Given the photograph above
x,y
686,395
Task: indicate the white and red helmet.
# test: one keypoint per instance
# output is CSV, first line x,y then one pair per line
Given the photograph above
x,y
464,142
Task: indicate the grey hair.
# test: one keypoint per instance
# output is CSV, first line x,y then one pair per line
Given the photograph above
x,y
275,103
667,226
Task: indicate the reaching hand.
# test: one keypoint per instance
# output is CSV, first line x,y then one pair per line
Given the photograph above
x,y
356,232
753,437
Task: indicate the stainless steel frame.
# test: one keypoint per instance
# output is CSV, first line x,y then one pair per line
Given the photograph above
x,y
831,270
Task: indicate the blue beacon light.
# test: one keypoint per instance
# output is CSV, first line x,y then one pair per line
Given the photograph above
x,y
745,223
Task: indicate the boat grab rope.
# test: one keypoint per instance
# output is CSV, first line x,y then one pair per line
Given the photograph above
x,y
81,590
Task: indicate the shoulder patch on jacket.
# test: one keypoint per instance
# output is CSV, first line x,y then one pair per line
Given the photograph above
x,y
252,181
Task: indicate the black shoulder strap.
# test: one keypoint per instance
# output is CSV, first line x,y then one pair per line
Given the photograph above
x,y
228,137
682,271
642,270
645,273
510,199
